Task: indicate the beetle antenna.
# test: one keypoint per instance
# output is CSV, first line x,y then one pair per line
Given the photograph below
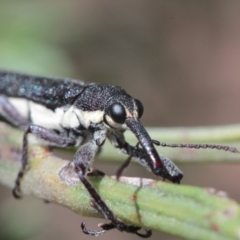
x,y
196,146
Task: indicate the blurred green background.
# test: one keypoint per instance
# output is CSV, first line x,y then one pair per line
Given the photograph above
x,y
180,58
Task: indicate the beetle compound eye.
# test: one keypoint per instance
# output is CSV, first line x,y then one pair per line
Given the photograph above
x,y
117,113
140,108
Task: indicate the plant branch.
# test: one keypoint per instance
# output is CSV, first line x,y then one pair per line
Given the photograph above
x,y
185,211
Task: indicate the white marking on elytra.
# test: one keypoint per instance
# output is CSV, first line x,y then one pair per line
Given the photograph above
x,y
21,105
45,117
68,117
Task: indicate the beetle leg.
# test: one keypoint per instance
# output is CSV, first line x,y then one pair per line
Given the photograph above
x,y
11,114
118,140
44,134
14,117
123,227
123,166
95,173
108,226
170,171
82,162
92,232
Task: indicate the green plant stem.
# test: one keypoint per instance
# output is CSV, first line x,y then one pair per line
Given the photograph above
x,y
185,211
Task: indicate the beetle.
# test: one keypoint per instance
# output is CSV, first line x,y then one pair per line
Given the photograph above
x,y
68,113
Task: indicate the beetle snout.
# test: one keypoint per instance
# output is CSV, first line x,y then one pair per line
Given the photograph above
x,y
175,176
158,164
153,160
169,171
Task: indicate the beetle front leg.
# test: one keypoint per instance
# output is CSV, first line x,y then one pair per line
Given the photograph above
x,y
82,163
169,171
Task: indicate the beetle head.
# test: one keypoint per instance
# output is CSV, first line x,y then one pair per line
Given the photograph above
x,y
124,112
119,109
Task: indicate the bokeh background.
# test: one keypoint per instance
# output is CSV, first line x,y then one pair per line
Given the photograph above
x,y
181,58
